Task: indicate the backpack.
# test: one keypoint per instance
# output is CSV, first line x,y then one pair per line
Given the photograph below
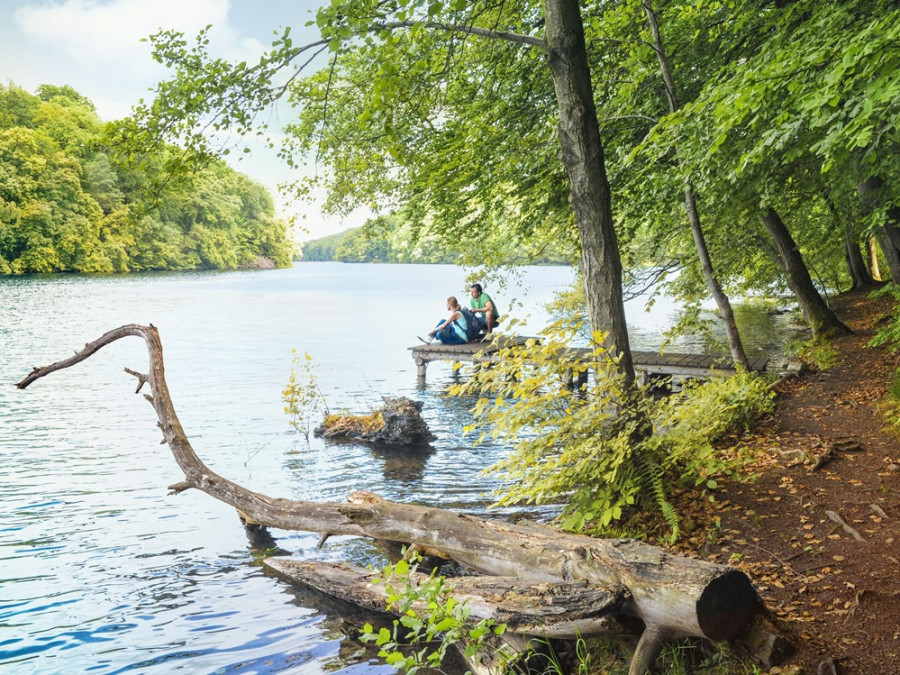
x,y
473,324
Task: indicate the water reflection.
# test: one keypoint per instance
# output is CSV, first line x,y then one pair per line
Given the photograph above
x,y
405,464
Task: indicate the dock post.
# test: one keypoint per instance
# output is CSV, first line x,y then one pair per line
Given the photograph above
x,y
421,368
582,378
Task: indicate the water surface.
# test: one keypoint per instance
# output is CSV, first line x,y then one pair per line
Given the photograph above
x,y
101,571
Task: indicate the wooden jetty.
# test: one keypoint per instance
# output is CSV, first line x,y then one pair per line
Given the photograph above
x,y
648,365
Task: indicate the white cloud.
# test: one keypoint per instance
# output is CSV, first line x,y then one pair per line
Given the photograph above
x,y
108,34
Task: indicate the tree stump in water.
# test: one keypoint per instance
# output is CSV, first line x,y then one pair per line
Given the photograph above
x,y
398,422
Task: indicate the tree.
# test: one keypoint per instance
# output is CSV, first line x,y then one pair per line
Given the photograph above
x,y
816,312
65,207
372,46
806,95
690,204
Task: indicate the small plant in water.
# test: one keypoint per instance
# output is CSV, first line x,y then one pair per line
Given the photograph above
x,y
429,616
302,397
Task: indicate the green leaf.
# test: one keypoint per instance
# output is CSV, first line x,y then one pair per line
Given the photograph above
x,y
394,658
384,636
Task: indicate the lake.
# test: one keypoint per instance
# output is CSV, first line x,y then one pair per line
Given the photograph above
x,y
102,572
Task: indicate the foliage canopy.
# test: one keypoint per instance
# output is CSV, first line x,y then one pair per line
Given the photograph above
x,y
66,206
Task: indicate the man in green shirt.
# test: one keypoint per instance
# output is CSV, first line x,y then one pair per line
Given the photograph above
x,y
482,304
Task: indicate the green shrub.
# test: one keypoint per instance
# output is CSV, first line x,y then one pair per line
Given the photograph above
x,y
895,386
429,616
819,353
603,450
889,332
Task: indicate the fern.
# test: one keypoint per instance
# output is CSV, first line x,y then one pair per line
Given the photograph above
x,y
652,477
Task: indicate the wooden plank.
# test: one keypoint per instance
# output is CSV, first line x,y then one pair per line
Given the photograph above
x,y
671,363
685,360
647,358
759,363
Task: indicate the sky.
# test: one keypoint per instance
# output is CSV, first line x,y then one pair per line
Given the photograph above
x,y
95,47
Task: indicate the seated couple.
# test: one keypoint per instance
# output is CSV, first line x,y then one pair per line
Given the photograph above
x,y
464,325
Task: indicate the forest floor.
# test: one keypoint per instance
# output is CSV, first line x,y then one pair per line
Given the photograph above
x,y
827,450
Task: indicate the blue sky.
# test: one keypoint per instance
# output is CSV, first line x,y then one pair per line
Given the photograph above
x,y
95,47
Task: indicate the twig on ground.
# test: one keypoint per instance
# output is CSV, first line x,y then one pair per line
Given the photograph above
x,y
834,517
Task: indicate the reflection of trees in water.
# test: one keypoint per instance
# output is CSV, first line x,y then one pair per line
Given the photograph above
x,y
403,463
765,330
768,330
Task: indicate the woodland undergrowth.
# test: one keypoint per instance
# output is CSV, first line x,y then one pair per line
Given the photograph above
x,y
605,450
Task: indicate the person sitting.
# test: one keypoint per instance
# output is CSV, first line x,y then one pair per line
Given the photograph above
x,y
450,331
481,303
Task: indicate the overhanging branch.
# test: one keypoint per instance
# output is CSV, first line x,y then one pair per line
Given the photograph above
x,y
471,30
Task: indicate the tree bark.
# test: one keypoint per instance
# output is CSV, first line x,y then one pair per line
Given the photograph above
x,y
856,266
563,610
582,154
690,204
872,248
817,313
673,596
888,231
891,252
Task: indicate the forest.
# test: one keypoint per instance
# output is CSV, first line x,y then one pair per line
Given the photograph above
x,y
392,239
67,205
749,147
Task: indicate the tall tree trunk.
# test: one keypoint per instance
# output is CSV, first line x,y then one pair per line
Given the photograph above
x,y
690,204
888,232
872,247
891,252
582,155
859,274
889,238
817,313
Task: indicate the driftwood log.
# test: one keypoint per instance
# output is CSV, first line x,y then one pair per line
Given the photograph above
x,y
672,595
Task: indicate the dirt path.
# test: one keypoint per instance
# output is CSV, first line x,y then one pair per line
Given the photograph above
x,y
838,594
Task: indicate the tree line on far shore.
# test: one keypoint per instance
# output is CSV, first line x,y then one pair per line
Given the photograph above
x,y
393,239
68,205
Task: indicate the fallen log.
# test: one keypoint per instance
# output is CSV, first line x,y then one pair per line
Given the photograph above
x,y
672,595
563,610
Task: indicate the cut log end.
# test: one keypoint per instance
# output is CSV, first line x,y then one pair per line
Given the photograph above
x,y
727,605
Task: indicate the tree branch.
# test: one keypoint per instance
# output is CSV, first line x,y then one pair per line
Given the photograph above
x,y
471,30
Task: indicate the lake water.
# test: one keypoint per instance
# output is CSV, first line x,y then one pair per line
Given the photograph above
x,y
101,571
